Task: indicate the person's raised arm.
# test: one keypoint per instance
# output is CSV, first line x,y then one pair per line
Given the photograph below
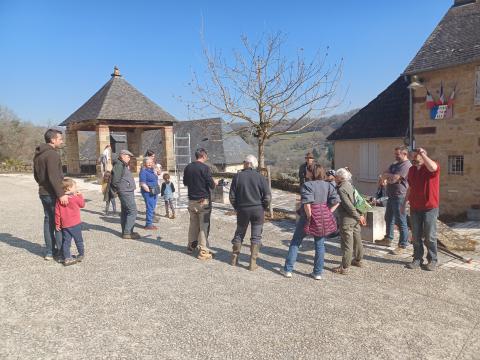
x,y
431,165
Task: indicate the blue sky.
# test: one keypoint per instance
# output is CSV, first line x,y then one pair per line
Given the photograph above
x,y
54,55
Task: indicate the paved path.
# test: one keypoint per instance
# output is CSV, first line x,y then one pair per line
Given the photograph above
x,y
148,299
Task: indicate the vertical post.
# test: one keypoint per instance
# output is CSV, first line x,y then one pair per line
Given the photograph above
x,y
168,153
103,139
73,159
410,121
134,143
269,174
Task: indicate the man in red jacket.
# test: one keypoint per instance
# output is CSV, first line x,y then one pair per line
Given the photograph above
x,y
423,195
47,170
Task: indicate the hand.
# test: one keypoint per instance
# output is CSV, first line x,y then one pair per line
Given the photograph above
x,y
363,221
421,151
57,228
63,199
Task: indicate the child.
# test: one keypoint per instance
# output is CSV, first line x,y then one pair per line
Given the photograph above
x,y
67,219
167,192
107,195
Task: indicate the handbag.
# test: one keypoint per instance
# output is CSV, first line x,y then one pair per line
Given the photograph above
x,y
154,190
322,222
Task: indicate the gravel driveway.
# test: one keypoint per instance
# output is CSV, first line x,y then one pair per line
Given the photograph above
x,y
148,299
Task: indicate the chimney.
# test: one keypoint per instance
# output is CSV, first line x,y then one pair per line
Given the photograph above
x,y
463,2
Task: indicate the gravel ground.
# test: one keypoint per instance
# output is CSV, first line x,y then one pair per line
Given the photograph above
x,y
148,299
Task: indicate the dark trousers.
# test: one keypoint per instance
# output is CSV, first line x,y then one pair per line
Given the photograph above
x,y
424,225
74,232
53,238
256,217
128,213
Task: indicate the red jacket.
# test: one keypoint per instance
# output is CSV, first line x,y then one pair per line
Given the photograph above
x,y
69,215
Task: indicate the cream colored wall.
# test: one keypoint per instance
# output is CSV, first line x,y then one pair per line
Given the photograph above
x,y
233,168
347,153
459,135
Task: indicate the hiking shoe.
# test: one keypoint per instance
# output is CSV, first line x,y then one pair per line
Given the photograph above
x,y
48,257
69,262
431,266
340,270
316,276
398,251
79,258
132,236
151,227
287,274
204,255
415,264
384,242
357,263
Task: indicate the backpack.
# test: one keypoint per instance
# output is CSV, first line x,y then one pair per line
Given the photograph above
x,y
360,202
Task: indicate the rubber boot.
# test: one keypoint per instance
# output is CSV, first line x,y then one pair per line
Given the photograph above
x,y
254,249
235,253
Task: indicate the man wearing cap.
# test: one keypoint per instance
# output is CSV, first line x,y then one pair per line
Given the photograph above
x,y
305,173
249,196
123,183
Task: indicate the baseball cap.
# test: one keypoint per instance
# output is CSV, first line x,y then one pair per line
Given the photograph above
x,y
125,152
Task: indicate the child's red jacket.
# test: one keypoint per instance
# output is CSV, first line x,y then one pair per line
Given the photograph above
x,y
69,215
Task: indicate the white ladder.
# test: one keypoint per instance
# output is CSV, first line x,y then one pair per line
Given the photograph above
x,y
183,157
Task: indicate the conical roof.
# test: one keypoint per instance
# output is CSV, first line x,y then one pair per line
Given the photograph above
x,y
118,100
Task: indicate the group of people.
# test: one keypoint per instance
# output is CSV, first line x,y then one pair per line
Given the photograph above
x,y
329,204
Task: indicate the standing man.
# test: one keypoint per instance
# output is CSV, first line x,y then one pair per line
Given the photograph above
x,y
123,183
397,185
47,170
306,170
423,195
198,178
250,197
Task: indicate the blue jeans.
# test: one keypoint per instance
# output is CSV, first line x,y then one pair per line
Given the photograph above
x,y
295,243
393,216
74,232
53,238
128,213
107,205
150,203
424,224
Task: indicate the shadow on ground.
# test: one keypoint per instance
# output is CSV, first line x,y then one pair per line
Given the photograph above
x,y
11,240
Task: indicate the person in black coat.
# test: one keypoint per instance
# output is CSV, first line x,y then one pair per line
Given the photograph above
x,y
250,197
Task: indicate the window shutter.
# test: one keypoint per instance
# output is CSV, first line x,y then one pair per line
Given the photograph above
x,y
372,161
364,160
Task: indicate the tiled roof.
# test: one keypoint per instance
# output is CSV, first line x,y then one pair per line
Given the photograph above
x,y
386,116
455,40
118,100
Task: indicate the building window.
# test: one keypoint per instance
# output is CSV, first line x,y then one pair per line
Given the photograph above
x,y
477,86
455,165
369,161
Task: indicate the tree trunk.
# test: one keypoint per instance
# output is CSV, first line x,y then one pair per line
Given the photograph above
x,y
261,153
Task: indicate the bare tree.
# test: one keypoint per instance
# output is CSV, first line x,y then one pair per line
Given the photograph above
x,y
271,94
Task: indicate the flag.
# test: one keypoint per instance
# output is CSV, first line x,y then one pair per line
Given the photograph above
x,y
441,99
429,101
452,97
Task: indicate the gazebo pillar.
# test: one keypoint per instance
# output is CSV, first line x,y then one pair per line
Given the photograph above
x,y
103,139
134,144
167,157
73,159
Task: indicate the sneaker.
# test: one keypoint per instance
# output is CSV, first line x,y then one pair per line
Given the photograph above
x,y
151,227
287,274
204,255
398,251
316,276
384,242
132,236
431,266
48,257
357,263
69,262
415,264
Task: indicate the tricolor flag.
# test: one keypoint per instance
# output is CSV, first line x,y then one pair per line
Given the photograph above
x,y
430,102
451,99
441,99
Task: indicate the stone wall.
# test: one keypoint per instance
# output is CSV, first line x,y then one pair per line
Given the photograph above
x,y
458,135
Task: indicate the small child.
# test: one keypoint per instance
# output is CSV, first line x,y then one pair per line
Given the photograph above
x,y
67,219
107,195
167,192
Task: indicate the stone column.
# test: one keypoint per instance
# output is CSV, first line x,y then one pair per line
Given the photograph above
x,y
167,156
134,144
103,139
73,158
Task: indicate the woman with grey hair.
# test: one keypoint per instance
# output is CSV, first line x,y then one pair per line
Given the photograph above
x,y
150,190
350,221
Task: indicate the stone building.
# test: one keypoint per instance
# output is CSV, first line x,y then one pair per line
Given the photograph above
x,y
446,112
119,107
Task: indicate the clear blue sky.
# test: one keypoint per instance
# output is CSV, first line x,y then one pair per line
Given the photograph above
x,y
54,55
